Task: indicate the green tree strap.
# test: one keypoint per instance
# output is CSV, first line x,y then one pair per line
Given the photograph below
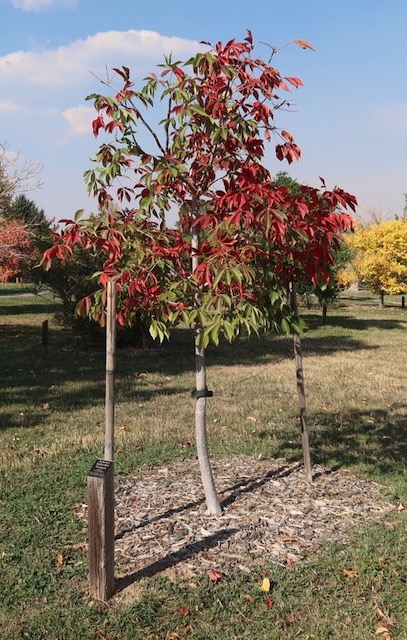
x,y
202,393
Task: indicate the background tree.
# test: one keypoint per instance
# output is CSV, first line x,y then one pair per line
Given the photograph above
x,y
16,176
17,243
219,271
17,250
381,256
337,275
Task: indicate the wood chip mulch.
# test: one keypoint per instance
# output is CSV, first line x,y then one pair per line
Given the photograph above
x,y
269,515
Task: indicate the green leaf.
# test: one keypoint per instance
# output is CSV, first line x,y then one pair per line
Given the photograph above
x,y
285,327
200,110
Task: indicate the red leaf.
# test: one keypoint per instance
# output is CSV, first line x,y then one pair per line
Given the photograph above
x,y
183,611
215,575
304,44
296,82
97,124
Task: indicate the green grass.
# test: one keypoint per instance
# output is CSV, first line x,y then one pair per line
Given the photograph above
x,y
51,431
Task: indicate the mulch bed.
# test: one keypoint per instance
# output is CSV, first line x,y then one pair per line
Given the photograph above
x,y
269,515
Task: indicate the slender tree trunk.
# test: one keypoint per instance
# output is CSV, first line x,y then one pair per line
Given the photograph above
x,y
403,302
381,299
301,389
212,500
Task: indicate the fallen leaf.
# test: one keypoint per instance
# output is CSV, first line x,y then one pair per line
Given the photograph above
x,y
45,405
269,603
293,618
383,631
349,573
248,597
265,585
287,539
183,611
215,575
251,418
185,444
61,559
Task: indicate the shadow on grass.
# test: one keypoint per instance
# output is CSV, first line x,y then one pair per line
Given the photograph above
x,y
376,439
45,308
66,377
353,323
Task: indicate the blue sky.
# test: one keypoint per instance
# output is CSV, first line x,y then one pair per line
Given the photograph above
x,y
350,118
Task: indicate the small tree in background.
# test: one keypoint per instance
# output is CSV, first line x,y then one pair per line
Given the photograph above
x,y
381,256
17,245
17,250
219,272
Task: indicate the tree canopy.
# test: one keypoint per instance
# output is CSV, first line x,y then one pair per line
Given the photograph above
x,y
381,256
205,160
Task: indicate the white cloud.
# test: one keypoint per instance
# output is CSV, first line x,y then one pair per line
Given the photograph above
x,y
73,63
80,119
42,5
8,106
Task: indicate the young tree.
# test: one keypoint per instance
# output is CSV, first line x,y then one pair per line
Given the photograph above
x,y
16,176
381,256
219,271
17,247
17,250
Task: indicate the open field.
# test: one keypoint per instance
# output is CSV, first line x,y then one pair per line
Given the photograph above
x,y
51,431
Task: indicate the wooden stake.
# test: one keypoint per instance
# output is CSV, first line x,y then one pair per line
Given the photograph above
x,y
45,334
110,368
101,530
301,389
101,477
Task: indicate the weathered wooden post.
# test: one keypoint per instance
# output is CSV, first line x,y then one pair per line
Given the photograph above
x,y
101,477
101,529
45,334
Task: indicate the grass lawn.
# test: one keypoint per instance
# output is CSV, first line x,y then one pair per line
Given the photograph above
x,y
51,432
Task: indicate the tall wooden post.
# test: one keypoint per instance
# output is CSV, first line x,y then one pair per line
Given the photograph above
x,y
101,477
110,368
45,334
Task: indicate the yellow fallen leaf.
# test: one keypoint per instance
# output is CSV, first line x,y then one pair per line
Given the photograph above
x,y
265,585
383,631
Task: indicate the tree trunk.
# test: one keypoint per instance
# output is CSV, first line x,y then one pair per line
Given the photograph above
x,y
212,500
403,302
381,299
301,389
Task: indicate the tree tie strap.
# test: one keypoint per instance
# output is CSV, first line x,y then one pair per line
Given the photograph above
x,y
202,393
